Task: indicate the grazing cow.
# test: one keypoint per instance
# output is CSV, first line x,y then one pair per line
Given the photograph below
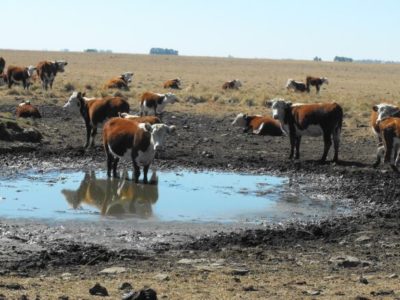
x,y
145,119
27,110
173,84
232,85
309,119
47,71
389,129
261,125
380,112
95,111
121,82
138,141
155,102
20,74
2,64
296,86
316,81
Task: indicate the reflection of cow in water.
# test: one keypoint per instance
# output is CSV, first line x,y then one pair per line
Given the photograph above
x,y
115,197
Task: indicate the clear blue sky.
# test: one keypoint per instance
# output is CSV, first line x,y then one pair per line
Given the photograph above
x,y
298,29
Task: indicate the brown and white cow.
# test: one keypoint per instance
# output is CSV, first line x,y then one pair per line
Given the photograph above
x,y
121,82
232,85
124,138
27,110
95,111
144,119
315,81
261,125
20,74
296,86
389,129
173,84
382,111
309,119
2,64
153,102
47,71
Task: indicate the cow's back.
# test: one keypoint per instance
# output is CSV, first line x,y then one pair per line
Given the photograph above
x,y
324,114
101,109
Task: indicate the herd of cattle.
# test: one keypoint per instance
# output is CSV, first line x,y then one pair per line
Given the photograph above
x,y
138,137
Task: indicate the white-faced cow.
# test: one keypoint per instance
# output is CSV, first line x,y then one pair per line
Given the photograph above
x,y
296,86
27,110
389,129
153,102
380,112
120,82
232,85
316,81
95,111
309,119
20,74
47,71
173,84
136,141
261,125
141,119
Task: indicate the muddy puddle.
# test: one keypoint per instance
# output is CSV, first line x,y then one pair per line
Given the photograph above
x,y
186,196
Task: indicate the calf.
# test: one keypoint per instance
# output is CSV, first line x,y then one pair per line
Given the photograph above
x,y
379,112
2,64
261,125
309,119
137,141
232,85
296,86
20,74
47,71
27,110
155,102
145,119
389,129
316,81
173,84
121,82
95,111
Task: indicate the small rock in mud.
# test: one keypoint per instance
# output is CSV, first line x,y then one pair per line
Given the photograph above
x,y
126,286
162,277
98,290
363,280
240,272
346,261
392,276
113,270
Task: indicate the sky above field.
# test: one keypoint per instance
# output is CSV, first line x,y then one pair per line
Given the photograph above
x,y
297,29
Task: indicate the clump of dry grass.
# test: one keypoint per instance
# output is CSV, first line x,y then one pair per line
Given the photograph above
x,y
69,87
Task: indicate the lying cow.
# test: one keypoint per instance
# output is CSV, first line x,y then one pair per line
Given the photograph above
x,y
47,71
20,74
144,119
261,125
138,141
309,119
95,111
389,129
27,110
173,84
232,85
296,86
153,102
382,111
316,81
121,82
2,64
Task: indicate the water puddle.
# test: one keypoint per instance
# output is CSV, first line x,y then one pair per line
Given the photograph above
x,y
174,196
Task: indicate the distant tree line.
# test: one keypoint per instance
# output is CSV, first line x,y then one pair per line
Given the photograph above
x,y
343,59
317,58
92,50
163,51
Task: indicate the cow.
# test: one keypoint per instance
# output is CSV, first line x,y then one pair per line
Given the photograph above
x,y
315,81
137,141
389,129
173,84
20,74
47,71
145,119
27,110
2,64
121,82
296,86
156,103
95,111
309,119
232,85
261,125
380,112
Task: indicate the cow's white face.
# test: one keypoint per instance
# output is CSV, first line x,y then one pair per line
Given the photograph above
x,y
170,98
289,83
278,107
127,76
158,134
238,83
385,110
30,70
60,65
240,120
325,80
74,103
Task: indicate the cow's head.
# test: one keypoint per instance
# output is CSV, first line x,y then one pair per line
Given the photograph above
x,y
289,83
127,76
385,110
240,120
75,101
26,102
158,134
237,83
279,107
30,70
170,98
325,80
60,65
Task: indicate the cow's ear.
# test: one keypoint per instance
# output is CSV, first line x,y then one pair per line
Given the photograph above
x,y
79,95
288,103
268,103
83,94
171,129
148,127
375,108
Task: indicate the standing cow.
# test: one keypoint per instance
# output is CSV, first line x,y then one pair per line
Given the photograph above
x,y
2,65
20,74
232,85
316,81
47,71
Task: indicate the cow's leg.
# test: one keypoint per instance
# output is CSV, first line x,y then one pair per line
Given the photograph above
x,y
298,140
379,154
24,83
145,171
292,143
51,84
93,135
336,142
388,143
115,165
155,110
327,145
136,172
317,87
109,159
88,131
